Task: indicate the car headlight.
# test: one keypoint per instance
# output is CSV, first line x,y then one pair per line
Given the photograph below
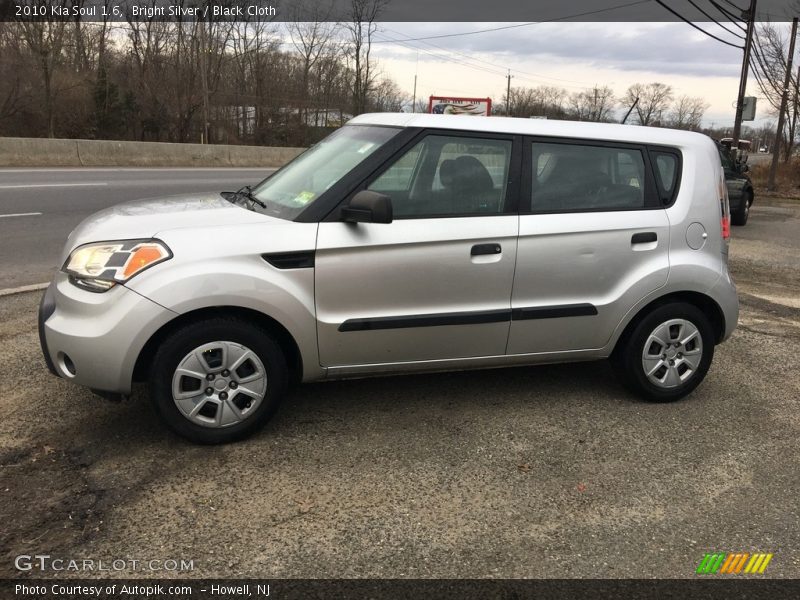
x,y
99,267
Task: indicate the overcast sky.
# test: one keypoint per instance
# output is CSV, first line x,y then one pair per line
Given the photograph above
x,y
569,55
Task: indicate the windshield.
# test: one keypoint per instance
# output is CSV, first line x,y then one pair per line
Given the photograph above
x,y
302,181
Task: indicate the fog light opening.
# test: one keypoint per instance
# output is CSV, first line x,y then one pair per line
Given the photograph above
x,y
67,366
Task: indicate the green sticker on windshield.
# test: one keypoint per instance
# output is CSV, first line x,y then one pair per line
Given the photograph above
x,y
304,198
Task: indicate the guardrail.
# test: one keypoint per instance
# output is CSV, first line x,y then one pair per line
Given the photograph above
x,y
43,152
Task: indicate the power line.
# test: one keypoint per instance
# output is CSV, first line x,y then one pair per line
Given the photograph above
x,y
440,56
740,36
476,59
459,62
736,6
736,20
518,25
700,29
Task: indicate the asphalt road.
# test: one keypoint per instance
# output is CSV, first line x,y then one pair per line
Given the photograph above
x,y
30,244
552,471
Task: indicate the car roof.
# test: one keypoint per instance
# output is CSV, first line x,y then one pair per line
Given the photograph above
x,y
538,127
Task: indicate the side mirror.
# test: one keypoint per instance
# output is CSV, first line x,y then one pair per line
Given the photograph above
x,y
368,207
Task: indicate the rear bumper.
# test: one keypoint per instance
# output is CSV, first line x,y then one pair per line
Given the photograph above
x,y
724,293
94,339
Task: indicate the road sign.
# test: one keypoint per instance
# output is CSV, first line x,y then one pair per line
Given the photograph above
x,y
749,109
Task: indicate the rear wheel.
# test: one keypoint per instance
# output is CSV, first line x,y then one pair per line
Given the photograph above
x,y
218,380
667,354
740,216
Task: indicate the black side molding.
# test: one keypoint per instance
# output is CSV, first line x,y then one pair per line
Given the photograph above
x,y
644,238
553,312
291,260
436,320
469,318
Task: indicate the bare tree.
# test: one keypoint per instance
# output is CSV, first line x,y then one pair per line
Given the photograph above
x,y
770,49
362,25
45,41
654,99
175,81
687,113
542,101
311,39
595,104
12,97
254,46
387,97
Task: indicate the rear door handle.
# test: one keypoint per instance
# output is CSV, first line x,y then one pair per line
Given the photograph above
x,y
644,238
479,249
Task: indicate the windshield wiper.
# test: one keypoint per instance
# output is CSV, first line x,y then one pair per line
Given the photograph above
x,y
245,192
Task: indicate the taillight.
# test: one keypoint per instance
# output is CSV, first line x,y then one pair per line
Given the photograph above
x,y
724,208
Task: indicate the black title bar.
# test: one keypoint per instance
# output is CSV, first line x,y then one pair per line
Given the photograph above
x,y
389,10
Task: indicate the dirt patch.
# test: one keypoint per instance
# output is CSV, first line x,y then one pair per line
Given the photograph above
x,y
46,496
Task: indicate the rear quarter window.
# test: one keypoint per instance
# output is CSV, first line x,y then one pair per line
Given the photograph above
x,y
667,167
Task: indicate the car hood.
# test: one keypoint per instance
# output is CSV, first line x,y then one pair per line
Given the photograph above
x,y
146,218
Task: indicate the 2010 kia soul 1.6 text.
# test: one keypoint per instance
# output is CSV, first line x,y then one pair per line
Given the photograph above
x,y
405,243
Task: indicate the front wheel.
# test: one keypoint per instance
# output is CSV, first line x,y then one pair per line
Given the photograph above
x,y
218,380
667,354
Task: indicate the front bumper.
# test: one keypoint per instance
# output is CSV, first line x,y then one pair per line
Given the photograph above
x,y
46,308
94,339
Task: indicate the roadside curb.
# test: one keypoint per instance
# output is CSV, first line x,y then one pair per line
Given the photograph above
x,y
35,287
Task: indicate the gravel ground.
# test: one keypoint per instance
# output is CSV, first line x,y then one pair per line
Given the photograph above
x,y
552,471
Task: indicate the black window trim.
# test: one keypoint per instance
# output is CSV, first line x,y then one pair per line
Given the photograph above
x,y
382,164
651,193
654,151
330,199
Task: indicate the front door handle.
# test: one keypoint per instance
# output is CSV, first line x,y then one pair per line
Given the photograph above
x,y
644,238
480,249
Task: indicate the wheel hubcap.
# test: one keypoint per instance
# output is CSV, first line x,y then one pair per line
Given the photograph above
x,y
672,353
219,384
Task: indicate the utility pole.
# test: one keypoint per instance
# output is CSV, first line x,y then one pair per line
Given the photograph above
x,y
630,110
416,70
508,95
773,168
748,44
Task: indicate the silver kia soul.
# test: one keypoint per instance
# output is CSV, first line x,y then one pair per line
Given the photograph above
x,y
405,243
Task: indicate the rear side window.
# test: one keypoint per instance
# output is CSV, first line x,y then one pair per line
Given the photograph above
x,y
667,167
576,177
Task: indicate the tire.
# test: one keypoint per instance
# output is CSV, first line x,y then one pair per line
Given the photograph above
x,y
740,216
690,362
232,378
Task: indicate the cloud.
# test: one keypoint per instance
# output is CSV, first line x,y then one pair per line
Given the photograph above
x,y
668,48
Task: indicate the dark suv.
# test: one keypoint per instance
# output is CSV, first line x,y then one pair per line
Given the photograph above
x,y
740,188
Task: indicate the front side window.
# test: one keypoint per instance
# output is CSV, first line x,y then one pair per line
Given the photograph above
x,y
289,191
572,177
448,176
